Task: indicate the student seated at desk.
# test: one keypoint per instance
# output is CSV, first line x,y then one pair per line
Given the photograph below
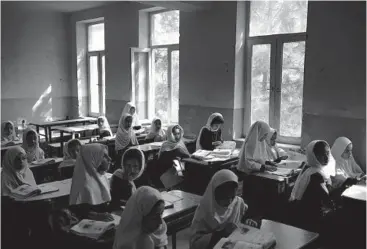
x,y
311,193
156,133
141,225
219,212
71,152
348,171
104,127
172,149
275,153
90,191
210,136
125,137
31,146
15,171
8,133
122,181
254,156
131,109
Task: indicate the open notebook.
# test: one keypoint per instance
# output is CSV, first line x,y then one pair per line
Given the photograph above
x,y
95,229
247,237
26,191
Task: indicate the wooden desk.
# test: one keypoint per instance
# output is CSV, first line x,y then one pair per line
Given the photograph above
x,y
198,173
288,237
73,130
356,192
47,126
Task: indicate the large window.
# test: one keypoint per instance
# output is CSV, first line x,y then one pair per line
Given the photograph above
x,y
155,70
96,68
275,67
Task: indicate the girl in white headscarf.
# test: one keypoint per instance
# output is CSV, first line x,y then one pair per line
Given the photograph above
x,y
156,133
71,151
8,132
90,192
125,136
31,146
254,156
141,225
172,149
346,166
131,109
312,188
122,181
104,127
275,153
15,171
210,135
219,213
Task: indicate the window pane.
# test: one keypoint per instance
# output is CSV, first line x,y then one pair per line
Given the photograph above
x,y
166,28
277,17
260,83
93,84
96,37
160,75
292,89
103,85
141,60
175,79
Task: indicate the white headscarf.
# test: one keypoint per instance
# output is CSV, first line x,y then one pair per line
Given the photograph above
x,y
126,110
346,167
121,172
105,126
253,151
129,234
68,160
153,133
210,216
171,143
34,153
12,178
89,186
123,136
207,126
274,152
315,166
9,137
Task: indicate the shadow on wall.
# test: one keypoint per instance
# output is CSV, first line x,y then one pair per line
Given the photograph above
x,y
42,109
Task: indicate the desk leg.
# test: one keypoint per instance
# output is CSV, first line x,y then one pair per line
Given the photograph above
x,y
174,240
50,134
61,142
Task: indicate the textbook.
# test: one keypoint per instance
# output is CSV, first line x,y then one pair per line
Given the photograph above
x,y
26,191
94,229
282,172
247,237
43,161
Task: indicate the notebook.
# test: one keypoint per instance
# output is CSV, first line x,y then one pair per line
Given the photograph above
x,y
25,191
95,229
43,161
282,172
247,237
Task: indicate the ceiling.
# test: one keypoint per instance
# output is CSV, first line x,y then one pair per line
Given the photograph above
x,y
63,6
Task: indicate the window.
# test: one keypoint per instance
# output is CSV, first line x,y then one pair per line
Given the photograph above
x,y
155,70
96,68
275,67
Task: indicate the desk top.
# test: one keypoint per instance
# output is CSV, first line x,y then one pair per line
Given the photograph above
x,y
155,146
211,163
356,192
65,122
54,163
76,129
288,237
189,201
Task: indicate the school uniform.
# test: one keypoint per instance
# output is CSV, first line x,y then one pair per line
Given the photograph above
x,y
34,153
207,135
155,135
8,137
66,167
105,129
129,233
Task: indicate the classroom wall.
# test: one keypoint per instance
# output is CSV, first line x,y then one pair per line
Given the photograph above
x,y
335,74
207,66
35,72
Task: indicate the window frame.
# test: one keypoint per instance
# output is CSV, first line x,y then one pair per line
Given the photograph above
x,y
276,42
170,48
101,87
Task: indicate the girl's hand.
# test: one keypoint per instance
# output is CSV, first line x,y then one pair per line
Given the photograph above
x,y
101,216
270,168
252,223
217,143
